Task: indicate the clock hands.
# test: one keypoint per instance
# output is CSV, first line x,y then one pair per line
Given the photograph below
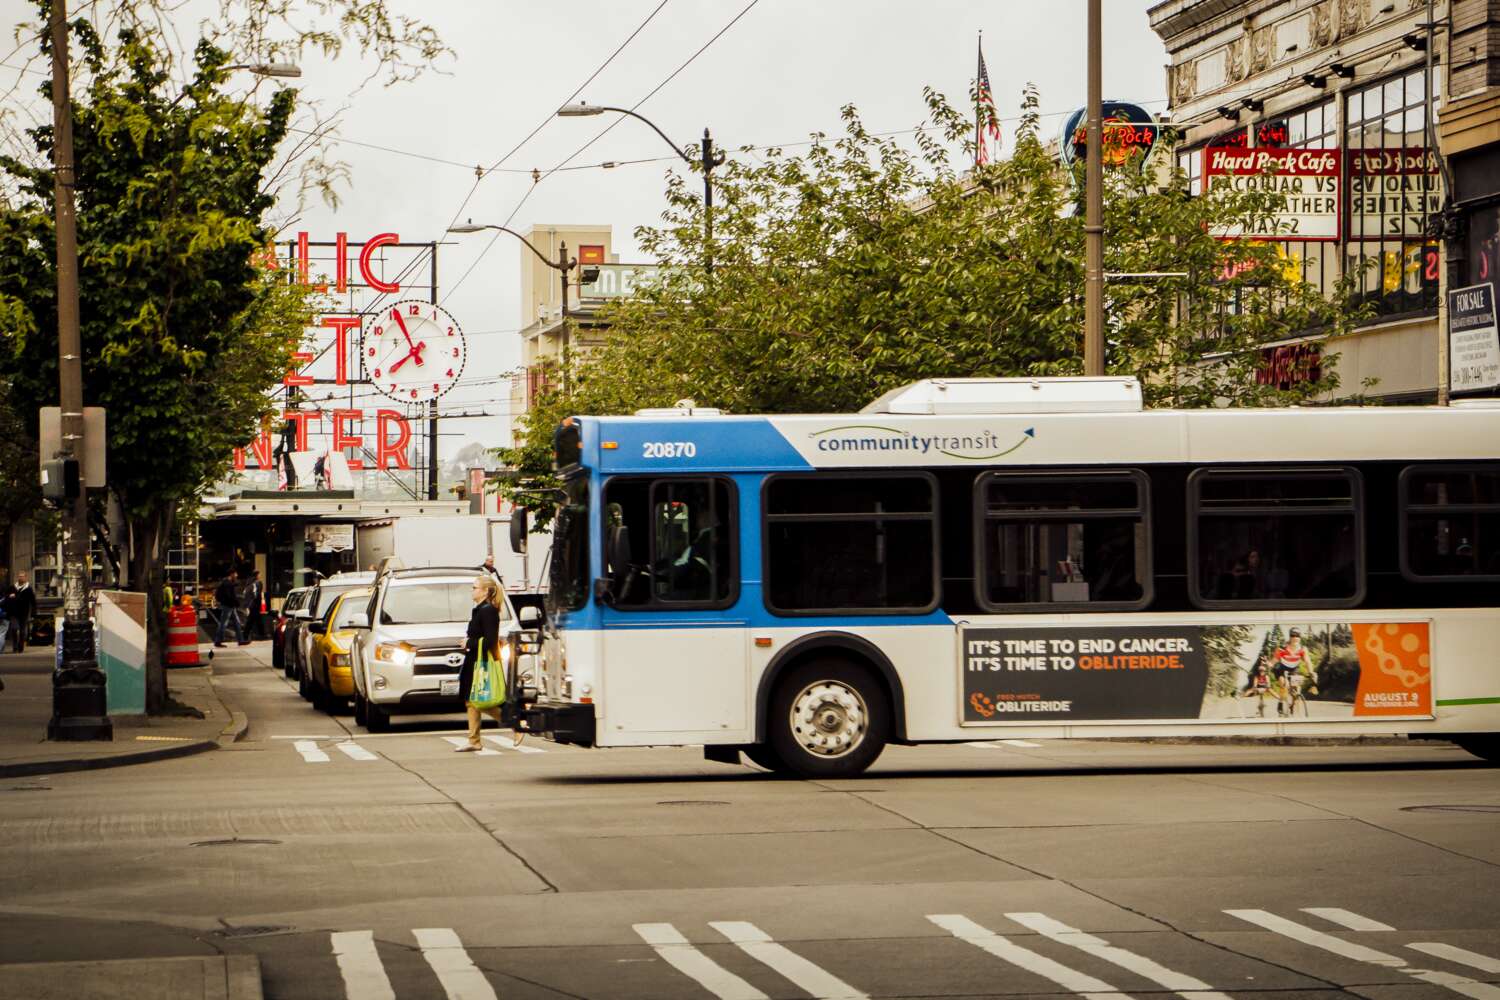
x,y
416,349
415,352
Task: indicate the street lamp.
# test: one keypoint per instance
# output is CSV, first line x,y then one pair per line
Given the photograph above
x,y
708,162
282,69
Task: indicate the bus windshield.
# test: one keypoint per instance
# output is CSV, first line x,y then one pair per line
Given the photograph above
x,y
569,584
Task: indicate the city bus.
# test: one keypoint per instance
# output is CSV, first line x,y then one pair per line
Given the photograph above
x,y
973,559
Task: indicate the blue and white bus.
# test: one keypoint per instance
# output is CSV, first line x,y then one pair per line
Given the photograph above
x,y
966,559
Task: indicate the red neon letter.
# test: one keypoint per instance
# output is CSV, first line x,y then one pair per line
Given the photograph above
x,y
259,447
343,324
341,270
292,376
300,419
396,449
371,245
342,440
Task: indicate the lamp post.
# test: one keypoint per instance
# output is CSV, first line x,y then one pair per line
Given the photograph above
x,y
562,265
281,69
709,160
1093,219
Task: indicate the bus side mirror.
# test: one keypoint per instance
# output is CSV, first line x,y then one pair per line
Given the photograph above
x,y
530,617
518,530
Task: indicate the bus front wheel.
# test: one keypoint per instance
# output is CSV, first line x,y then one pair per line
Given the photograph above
x,y
828,719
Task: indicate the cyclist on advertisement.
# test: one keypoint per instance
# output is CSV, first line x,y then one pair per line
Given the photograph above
x,y
1289,665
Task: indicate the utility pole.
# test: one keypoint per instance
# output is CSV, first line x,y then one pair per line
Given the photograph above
x,y
563,266
432,405
79,706
709,162
1093,220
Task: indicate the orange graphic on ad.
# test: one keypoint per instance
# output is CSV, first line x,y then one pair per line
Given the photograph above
x,y
1395,669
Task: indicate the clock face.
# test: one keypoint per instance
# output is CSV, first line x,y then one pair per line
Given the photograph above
x,y
413,351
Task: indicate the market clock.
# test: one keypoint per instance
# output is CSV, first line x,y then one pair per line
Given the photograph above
x,y
413,351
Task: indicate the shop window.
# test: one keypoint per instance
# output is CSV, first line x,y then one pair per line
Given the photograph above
x,y
1063,540
1450,522
1275,537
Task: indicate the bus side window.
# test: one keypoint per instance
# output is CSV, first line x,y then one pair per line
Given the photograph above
x,y
1450,522
681,539
1276,537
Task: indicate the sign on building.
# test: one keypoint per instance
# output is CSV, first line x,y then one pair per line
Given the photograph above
x,y
1125,129
615,281
1473,339
1392,192
1309,179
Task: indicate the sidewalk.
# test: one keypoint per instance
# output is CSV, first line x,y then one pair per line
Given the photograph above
x,y
26,707
222,977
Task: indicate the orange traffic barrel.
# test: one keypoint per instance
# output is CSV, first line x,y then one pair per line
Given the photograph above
x,y
182,637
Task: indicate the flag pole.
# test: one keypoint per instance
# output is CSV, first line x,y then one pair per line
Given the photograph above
x,y
977,96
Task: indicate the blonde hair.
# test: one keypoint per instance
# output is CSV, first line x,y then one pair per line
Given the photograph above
x,y
492,594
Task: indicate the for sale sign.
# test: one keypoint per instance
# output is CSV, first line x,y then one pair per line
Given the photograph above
x,y
1309,180
1473,339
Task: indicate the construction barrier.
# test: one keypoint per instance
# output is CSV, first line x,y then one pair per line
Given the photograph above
x,y
182,636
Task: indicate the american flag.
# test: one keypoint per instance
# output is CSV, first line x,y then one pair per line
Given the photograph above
x,y
986,119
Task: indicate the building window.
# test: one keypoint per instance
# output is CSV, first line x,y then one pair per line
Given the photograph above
x,y
835,542
670,542
1071,539
1450,522
1275,538
1394,185
1309,128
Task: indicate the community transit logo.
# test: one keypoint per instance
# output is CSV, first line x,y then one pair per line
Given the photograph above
x,y
979,445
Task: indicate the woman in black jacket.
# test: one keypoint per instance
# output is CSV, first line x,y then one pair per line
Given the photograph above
x,y
484,626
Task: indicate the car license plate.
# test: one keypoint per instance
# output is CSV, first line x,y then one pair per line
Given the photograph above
x,y
446,688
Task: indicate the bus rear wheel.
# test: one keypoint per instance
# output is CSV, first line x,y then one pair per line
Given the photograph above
x,y
828,719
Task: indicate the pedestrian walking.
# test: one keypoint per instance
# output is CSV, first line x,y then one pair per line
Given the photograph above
x,y
483,639
227,596
5,591
255,595
20,609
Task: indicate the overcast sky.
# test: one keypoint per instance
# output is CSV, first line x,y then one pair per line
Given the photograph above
x,y
781,71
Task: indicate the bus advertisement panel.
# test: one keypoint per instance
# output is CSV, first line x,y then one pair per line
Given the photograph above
x,y
1316,670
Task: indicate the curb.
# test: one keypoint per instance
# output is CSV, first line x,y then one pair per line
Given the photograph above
x,y
219,977
235,731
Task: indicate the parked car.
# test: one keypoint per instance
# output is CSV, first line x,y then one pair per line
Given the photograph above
x,y
328,669
289,605
408,658
327,590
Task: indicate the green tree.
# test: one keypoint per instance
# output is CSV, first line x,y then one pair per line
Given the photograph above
x,y
182,331
860,265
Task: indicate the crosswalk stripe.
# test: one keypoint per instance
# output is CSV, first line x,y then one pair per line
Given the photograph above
x,y
675,950
310,752
1021,743
359,964
459,741
965,929
356,751
1460,955
1344,918
505,743
456,971
1461,985
808,977
1184,985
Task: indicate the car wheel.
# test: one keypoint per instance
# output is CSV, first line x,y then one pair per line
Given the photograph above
x,y
360,714
377,719
304,688
278,657
288,666
828,719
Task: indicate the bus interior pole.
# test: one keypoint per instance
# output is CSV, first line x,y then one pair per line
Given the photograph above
x,y
1093,224
432,405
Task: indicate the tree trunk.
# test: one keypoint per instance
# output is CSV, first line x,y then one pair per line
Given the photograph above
x,y
147,573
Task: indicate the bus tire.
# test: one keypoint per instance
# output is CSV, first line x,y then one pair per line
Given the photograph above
x,y
1483,747
761,755
829,718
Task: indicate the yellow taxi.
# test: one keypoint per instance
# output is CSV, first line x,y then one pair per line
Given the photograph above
x,y
330,676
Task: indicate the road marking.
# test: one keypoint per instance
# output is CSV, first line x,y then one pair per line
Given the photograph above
x,y
504,742
310,752
675,950
1344,918
1327,942
356,751
808,977
459,741
318,736
1460,955
1183,985
456,971
359,964
965,929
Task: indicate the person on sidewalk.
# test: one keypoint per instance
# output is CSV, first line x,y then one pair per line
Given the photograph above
x,y
20,609
255,594
484,627
228,599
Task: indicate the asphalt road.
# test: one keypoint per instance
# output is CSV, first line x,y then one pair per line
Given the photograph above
x,y
376,867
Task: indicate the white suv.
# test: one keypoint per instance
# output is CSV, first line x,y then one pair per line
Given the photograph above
x,y
409,658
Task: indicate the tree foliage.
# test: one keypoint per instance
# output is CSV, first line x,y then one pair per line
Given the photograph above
x,y
862,265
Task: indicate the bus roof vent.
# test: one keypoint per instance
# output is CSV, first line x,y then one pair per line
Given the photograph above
x,y
1012,395
684,408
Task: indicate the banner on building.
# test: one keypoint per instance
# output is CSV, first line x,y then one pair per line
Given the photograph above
x,y
330,537
1473,339
1392,192
1318,670
1309,180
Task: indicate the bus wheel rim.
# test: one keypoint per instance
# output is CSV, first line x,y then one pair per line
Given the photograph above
x,y
829,719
